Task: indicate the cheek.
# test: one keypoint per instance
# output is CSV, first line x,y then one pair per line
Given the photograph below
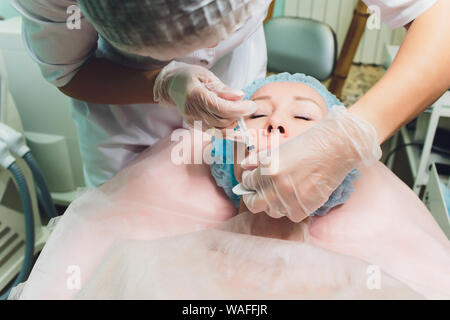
x,y
257,130
300,127
256,124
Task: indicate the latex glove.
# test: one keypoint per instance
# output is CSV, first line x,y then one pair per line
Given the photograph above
x,y
200,95
311,166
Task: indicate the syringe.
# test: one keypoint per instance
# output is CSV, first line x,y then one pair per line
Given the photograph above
x,y
247,138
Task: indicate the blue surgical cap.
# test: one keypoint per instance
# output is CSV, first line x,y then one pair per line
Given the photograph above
x,y
329,98
222,167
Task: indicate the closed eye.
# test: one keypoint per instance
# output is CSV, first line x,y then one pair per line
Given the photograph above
x,y
302,118
256,116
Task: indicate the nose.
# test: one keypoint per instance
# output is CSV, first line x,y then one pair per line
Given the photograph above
x,y
276,124
280,128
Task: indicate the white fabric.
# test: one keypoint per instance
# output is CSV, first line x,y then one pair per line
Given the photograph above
x,y
224,265
170,29
159,230
397,13
112,135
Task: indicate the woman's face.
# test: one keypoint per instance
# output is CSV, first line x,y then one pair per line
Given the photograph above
x,y
286,109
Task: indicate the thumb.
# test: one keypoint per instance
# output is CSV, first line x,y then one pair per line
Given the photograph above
x,y
214,84
257,159
230,94
251,162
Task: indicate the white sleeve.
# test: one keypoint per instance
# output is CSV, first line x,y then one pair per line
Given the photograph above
x,y
59,51
397,13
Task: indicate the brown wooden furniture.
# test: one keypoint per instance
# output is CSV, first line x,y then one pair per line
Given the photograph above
x,y
352,40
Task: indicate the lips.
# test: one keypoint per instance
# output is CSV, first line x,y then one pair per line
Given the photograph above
x,y
265,141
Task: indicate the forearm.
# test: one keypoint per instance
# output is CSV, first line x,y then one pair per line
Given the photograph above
x,y
419,75
104,82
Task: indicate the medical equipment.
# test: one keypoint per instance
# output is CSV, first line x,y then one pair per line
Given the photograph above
x,y
168,29
54,144
19,241
16,144
437,196
437,116
244,131
9,163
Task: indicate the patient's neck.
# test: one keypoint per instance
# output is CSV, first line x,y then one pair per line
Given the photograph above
x,y
242,207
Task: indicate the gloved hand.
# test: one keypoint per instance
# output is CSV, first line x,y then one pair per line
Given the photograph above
x,y
200,95
304,171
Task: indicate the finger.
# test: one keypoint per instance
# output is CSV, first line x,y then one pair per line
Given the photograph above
x,y
250,179
284,198
274,213
258,202
265,188
232,109
220,121
223,107
262,158
255,203
230,94
213,84
223,125
251,162
205,100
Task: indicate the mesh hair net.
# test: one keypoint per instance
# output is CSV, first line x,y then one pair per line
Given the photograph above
x,y
165,29
222,168
329,98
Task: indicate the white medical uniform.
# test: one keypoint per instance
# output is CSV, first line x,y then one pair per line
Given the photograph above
x,y
113,135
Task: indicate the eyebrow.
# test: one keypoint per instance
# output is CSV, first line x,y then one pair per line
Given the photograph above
x,y
262,98
298,98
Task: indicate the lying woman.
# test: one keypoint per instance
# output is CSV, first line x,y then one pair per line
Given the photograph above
x,y
375,219
288,105
165,230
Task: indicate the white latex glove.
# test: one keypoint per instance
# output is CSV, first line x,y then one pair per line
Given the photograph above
x,y
200,95
310,166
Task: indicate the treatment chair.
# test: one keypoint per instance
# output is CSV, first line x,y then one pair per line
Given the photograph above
x,y
308,46
298,45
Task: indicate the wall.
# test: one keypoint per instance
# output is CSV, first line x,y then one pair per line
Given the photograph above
x,y
338,14
6,11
